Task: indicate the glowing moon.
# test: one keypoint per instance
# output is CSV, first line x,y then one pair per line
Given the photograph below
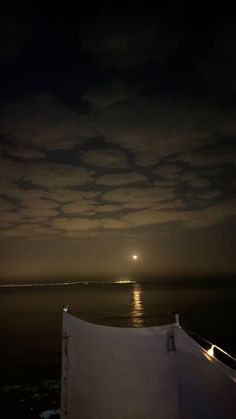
x,y
135,257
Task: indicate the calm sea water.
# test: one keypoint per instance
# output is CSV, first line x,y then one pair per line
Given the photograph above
x,y
30,327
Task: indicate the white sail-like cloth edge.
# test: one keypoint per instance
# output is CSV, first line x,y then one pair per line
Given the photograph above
x,y
141,373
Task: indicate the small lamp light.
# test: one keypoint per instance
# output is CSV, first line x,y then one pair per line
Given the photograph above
x,y
211,351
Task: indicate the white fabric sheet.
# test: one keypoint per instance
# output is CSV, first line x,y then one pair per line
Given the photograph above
x,y
140,373
117,373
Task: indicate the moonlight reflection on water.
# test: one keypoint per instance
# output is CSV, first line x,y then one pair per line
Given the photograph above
x,y
137,307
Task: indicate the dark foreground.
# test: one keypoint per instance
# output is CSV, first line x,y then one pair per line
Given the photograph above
x,y
38,401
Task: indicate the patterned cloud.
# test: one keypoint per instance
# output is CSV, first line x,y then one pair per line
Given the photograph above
x,y
104,158
127,162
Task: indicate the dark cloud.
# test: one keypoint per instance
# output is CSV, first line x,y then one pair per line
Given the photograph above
x,y
219,67
117,179
188,219
104,158
82,206
136,195
118,43
199,182
24,152
29,231
6,205
168,171
43,122
108,208
51,175
75,224
216,155
45,174
210,194
154,129
102,97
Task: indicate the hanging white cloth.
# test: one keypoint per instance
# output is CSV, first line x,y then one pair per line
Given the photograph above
x,y
140,373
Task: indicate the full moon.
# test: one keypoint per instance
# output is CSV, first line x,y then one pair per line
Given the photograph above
x,y
134,257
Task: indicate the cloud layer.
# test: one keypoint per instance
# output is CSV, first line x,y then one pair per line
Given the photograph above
x,y
129,163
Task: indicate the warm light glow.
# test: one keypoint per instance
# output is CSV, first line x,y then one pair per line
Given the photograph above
x,y
124,281
137,308
211,351
134,257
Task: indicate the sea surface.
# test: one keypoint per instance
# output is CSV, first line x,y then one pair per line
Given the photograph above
x,y
31,318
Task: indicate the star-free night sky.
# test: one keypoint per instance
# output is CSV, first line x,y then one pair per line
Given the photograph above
x,y
117,128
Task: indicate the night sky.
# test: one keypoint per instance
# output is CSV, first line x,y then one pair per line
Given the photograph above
x,y
117,130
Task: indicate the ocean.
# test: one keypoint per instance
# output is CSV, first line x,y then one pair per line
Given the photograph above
x,y
31,318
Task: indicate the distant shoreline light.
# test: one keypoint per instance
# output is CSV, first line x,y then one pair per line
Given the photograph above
x,y
56,284
125,281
